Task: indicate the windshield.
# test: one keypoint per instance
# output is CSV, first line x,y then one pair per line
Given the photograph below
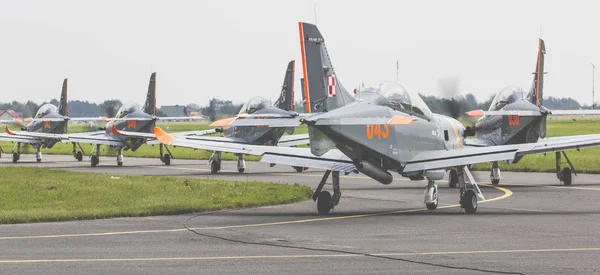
x,y
507,95
396,96
126,109
45,110
253,105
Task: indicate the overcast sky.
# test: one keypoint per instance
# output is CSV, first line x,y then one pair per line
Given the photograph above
x,y
239,49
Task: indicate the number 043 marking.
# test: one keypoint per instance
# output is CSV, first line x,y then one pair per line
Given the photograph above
x,y
375,130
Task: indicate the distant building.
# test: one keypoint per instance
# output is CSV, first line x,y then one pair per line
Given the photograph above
x,y
10,114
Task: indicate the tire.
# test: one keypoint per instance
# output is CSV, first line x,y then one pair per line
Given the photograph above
x,y
469,201
452,179
79,156
298,169
15,157
214,167
167,160
38,160
119,163
495,181
94,161
566,176
323,201
241,170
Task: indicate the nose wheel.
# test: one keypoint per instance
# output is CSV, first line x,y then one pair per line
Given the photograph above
x,y
215,162
431,195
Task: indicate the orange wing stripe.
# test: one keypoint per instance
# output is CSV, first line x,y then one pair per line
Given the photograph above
x,y
115,131
223,122
475,113
163,136
401,120
8,131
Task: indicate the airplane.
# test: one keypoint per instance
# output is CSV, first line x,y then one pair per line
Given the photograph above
x,y
515,117
129,129
45,129
235,131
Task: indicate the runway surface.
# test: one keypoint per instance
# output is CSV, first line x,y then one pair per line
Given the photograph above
x,y
529,225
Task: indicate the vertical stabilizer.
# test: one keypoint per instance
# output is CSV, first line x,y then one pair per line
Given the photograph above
x,y
537,87
63,106
150,105
322,89
286,96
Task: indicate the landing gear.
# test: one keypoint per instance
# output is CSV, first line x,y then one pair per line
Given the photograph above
x,y
299,169
326,202
495,173
215,162
38,155
431,195
241,164
452,179
120,158
1,151
469,192
17,154
165,158
95,159
564,175
78,154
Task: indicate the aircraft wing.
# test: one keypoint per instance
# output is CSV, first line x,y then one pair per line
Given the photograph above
x,y
504,113
35,135
98,137
269,122
574,112
439,159
21,139
181,118
293,140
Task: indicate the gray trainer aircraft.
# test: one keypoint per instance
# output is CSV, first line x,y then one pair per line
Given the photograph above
x,y
130,128
235,130
515,117
45,129
386,128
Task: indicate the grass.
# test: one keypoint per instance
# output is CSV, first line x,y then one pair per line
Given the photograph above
x,y
42,195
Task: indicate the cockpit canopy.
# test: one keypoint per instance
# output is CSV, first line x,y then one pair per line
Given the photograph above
x,y
253,105
126,109
506,96
46,109
396,96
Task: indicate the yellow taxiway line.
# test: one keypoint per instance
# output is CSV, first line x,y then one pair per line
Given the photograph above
x,y
298,256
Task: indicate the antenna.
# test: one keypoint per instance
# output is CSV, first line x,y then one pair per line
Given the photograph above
x,y
315,11
397,68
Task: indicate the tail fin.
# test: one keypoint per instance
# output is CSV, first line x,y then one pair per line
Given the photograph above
x,y
286,96
63,106
537,88
150,105
322,89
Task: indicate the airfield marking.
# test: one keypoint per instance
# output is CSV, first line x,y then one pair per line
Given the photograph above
x,y
507,193
574,187
300,256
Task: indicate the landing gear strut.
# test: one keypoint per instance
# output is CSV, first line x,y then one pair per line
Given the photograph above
x,y
165,158
495,173
17,154
564,175
326,202
215,162
78,154
452,178
431,195
241,163
120,157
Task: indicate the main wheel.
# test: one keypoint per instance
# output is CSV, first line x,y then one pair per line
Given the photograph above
x,y
452,179
214,167
566,176
119,163
167,159
38,160
299,169
15,157
94,161
241,170
79,156
495,181
434,204
323,202
469,201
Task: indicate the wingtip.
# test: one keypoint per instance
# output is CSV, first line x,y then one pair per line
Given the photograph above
x,y
162,136
475,113
28,119
401,120
8,131
223,122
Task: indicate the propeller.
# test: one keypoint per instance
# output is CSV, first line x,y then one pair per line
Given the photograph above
x,y
450,92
